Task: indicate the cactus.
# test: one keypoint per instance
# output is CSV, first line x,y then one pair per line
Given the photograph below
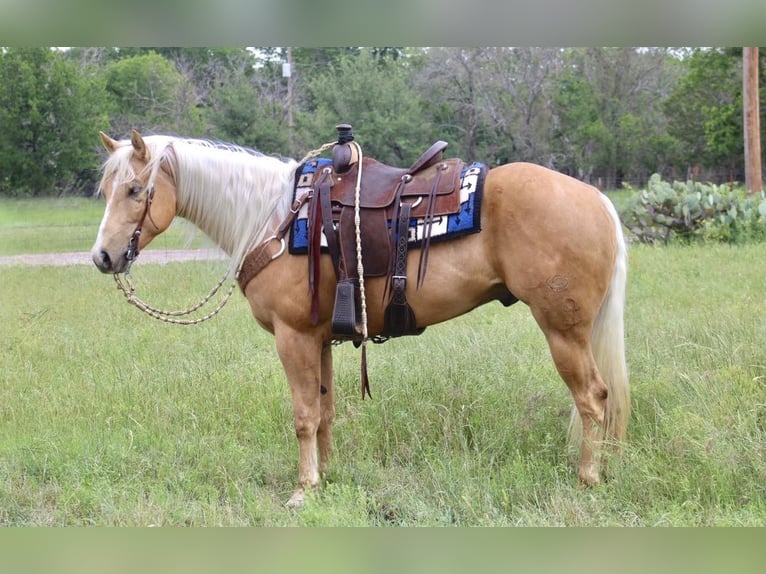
x,y
690,211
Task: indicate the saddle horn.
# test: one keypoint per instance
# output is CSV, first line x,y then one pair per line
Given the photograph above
x,y
343,154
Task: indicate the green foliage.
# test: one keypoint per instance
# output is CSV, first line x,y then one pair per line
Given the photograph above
x,y
250,111
374,95
149,94
577,129
694,211
49,110
605,115
704,108
608,103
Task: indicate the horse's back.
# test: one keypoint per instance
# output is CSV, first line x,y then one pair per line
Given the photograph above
x,y
535,192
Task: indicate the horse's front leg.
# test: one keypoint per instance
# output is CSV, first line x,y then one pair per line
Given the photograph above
x,y
300,354
327,409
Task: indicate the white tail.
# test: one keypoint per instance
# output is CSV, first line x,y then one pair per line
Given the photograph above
x,y
608,343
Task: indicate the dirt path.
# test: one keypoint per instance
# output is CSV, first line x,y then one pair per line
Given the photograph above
x,y
159,256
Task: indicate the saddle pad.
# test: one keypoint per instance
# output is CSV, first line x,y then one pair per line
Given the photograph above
x,y
465,221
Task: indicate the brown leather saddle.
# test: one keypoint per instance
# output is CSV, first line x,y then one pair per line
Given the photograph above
x,y
389,197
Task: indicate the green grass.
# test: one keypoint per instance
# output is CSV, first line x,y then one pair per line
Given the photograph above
x,y
110,418
69,224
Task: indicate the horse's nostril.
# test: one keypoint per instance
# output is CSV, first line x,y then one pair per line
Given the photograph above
x,y
106,262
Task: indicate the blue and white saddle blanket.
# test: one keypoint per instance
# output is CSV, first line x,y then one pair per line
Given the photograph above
x,y
466,221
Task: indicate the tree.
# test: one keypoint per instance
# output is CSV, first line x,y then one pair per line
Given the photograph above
x,y
451,83
250,111
609,115
204,68
50,111
150,95
579,127
704,111
517,86
601,114
375,95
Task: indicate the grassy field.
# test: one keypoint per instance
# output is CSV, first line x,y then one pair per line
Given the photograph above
x,y
69,224
110,418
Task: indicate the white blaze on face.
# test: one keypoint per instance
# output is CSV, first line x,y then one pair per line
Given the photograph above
x,y
98,249
99,238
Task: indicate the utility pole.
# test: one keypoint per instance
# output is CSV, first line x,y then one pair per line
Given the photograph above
x,y
752,121
287,72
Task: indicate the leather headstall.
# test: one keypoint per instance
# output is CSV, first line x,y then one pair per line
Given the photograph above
x,y
132,251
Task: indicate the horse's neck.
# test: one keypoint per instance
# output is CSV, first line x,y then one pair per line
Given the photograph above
x,y
234,206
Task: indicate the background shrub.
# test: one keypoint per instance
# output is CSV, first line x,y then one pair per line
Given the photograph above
x,y
694,211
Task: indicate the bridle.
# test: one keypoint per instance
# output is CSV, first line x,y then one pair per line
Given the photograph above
x,y
129,290
132,251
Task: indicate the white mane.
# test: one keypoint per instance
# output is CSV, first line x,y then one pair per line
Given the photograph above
x,y
229,192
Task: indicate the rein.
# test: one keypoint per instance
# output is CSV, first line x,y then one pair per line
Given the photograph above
x,y
129,290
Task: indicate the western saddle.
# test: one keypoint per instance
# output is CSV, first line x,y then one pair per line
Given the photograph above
x,y
388,199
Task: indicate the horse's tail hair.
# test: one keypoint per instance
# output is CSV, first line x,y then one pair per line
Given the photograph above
x,y
608,343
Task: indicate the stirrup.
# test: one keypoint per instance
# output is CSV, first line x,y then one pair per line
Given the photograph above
x,y
345,324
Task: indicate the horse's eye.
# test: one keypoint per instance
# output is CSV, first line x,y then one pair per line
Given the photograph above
x,y
134,190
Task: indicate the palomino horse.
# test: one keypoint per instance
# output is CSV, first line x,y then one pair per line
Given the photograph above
x,y
546,239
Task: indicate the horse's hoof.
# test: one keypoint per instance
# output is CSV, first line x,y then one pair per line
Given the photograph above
x,y
296,500
588,478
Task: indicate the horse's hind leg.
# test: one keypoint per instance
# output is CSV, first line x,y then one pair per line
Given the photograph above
x,y
571,351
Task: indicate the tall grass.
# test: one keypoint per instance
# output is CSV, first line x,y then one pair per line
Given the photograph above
x,y
110,418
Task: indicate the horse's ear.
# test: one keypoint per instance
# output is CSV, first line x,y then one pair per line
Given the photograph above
x,y
139,147
108,142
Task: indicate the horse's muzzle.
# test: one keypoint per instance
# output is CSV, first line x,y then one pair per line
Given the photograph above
x,y
106,264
